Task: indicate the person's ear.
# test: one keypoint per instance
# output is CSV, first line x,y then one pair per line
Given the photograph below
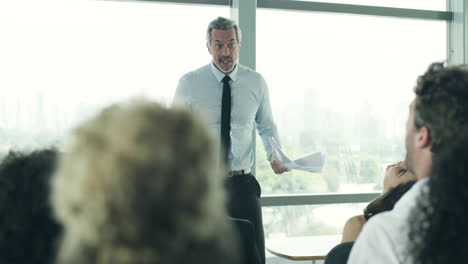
x,y
423,137
208,47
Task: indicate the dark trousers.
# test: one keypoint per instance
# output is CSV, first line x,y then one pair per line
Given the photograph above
x,y
244,203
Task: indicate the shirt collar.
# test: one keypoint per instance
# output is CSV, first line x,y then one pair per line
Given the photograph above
x,y
220,75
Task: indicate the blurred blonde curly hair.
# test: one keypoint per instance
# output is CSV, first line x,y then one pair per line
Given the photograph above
x,y
139,183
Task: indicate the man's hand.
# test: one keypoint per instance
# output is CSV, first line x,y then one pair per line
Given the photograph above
x,y
277,168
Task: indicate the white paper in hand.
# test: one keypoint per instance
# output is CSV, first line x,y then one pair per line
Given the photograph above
x,y
311,162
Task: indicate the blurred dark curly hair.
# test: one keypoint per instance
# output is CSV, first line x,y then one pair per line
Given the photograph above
x,y
438,229
27,228
442,102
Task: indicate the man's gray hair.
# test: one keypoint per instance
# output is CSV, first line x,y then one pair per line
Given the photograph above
x,y
222,23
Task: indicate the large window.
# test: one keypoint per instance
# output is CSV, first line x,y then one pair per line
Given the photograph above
x,y
63,60
341,84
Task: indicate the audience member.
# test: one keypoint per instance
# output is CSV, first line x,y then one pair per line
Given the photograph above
x,y
138,184
397,181
437,115
28,231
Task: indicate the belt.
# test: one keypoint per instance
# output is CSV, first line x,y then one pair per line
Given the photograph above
x,y
239,172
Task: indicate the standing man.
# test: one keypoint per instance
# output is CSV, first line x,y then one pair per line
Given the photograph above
x,y
234,99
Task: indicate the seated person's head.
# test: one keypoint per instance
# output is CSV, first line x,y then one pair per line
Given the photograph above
x,y
396,174
28,232
139,184
436,116
387,201
397,181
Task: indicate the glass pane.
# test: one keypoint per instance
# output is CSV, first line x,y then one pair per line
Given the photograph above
x,y
341,84
305,228
61,60
438,5
308,220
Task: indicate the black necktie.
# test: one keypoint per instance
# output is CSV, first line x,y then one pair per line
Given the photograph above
x,y
226,117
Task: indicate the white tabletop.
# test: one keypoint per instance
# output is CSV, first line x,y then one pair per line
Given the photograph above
x,y
302,248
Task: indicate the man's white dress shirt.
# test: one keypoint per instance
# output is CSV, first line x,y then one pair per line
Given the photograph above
x,y
202,89
384,238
